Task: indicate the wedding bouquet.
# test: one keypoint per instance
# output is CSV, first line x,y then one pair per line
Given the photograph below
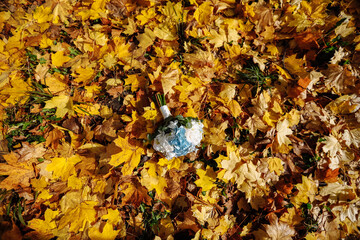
x,y
177,135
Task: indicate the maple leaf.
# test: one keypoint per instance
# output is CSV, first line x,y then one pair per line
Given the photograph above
x,y
18,173
42,14
352,137
166,32
146,15
17,92
332,145
63,105
146,39
170,77
61,11
58,59
130,155
255,123
283,131
203,13
295,65
275,165
135,81
134,194
46,226
206,179
339,78
30,151
84,75
108,232
153,178
345,104
278,230
84,214
307,191
63,167
344,29
55,83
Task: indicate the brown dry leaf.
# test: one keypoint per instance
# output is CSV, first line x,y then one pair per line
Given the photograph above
x,y
296,66
339,78
308,39
107,130
19,174
134,193
53,138
30,152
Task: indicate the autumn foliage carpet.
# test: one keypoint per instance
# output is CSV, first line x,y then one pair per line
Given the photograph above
x,y
275,83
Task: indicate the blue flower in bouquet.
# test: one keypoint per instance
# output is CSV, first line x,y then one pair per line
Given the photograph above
x,y
179,142
175,140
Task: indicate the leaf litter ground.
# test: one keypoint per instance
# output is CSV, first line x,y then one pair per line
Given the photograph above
x,y
274,82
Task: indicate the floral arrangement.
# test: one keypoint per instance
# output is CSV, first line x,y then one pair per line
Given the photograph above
x,y
177,135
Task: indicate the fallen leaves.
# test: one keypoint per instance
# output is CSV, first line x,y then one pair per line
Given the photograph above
x,y
274,83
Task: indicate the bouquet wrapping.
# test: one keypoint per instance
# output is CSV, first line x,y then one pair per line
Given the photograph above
x,y
177,135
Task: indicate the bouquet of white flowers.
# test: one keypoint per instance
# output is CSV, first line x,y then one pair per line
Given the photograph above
x,y
176,136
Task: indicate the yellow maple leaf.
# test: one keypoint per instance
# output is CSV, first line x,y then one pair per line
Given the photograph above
x,y
273,50
135,80
63,167
130,155
44,194
166,32
113,216
146,39
275,165
146,15
61,11
75,182
270,118
203,13
150,112
58,58
84,75
170,77
300,21
307,190
63,105
109,60
295,66
55,83
170,164
108,232
42,14
151,178
206,179
87,109
122,48
4,16
92,91
46,226
38,184
292,216
17,91
83,213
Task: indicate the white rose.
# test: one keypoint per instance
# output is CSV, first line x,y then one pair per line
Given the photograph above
x,y
195,133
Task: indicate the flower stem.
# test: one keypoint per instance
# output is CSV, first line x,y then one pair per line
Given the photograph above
x,y
160,99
